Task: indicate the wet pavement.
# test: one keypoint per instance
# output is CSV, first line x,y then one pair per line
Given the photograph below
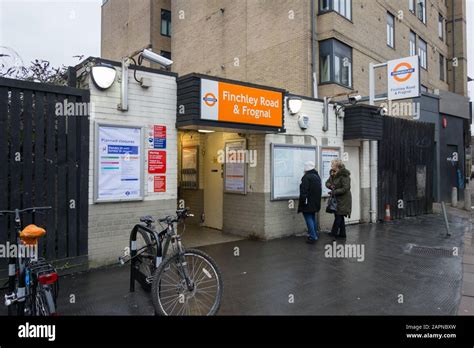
x,y
289,277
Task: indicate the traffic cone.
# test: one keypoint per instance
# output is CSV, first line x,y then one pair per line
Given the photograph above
x,y
387,213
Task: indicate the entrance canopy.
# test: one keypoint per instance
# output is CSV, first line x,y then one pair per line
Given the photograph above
x,y
210,103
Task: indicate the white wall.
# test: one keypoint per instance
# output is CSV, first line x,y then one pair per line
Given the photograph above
x,y
110,223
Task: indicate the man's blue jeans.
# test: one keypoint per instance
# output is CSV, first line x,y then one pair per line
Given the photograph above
x,y
310,219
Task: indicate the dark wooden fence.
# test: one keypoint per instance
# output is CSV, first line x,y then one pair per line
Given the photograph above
x,y
44,161
406,164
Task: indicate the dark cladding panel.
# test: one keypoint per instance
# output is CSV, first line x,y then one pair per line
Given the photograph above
x,y
363,122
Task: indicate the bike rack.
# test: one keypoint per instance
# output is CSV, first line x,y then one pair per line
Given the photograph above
x,y
135,274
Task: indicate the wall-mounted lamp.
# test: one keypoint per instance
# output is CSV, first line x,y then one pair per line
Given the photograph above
x,y
204,131
103,75
294,105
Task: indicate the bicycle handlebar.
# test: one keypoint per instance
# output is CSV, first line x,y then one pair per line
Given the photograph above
x,y
26,210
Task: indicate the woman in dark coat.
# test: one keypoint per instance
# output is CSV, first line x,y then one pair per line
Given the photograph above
x,y
340,185
310,200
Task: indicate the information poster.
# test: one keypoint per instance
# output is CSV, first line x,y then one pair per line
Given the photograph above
x,y
156,162
156,183
157,137
327,156
189,167
288,169
119,164
235,167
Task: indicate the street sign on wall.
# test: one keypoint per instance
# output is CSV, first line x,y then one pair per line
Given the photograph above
x,y
403,78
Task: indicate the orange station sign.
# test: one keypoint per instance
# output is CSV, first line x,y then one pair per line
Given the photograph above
x,y
228,102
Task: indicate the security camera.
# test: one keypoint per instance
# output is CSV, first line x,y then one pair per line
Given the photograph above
x,y
156,58
353,99
383,111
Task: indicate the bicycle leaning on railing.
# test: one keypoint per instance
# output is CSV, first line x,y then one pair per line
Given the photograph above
x,y
182,281
32,282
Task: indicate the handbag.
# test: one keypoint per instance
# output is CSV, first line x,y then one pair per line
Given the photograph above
x,y
332,205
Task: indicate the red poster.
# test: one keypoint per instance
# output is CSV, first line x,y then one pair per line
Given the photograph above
x,y
160,184
156,162
159,132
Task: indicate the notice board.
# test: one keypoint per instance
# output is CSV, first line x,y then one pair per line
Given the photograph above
x,y
328,154
119,163
288,169
235,169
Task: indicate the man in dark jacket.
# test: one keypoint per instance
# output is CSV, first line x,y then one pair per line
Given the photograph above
x,y
310,200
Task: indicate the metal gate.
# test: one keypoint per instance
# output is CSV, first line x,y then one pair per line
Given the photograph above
x,y
406,168
44,161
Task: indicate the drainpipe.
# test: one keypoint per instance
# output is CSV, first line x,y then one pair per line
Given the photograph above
x,y
454,45
313,49
326,114
373,181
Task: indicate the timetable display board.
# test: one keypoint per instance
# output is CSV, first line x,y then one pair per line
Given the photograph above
x,y
119,163
288,169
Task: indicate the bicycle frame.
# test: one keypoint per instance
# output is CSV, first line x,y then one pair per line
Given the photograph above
x,y
168,235
19,264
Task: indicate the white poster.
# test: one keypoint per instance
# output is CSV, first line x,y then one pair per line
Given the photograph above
x,y
119,165
403,78
288,169
235,167
327,156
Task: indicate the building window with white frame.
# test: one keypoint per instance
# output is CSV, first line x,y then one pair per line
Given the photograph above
x,y
390,30
421,10
335,63
343,7
166,23
412,5
442,68
441,26
412,41
423,53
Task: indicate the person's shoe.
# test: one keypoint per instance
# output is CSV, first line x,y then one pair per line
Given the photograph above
x,y
341,237
311,241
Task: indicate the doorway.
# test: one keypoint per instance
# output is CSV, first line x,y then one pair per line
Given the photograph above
x,y
353,165
213,182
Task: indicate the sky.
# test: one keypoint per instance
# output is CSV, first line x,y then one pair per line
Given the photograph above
x,y
57,30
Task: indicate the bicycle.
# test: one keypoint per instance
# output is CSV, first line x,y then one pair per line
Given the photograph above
x,y
183,281
32,282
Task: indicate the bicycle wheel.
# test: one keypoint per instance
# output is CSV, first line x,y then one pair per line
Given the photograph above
x,y
170,293
45,301
146,258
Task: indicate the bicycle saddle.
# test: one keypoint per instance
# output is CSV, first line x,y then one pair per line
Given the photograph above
x,y
147,219
31,233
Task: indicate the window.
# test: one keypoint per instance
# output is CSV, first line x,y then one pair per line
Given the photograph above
x,y
326,68
165,23
421,10
390,30
442,68
343,7
335,63
324,5
166,54
440,26
412,39
423,53
411,5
